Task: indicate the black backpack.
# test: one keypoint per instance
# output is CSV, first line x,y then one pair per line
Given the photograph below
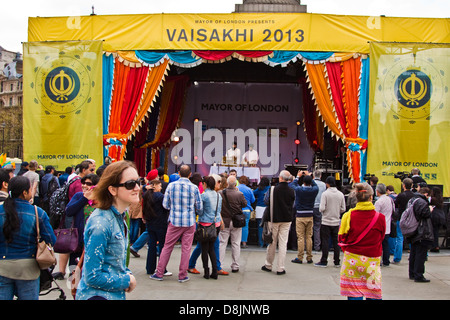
x,y
58,202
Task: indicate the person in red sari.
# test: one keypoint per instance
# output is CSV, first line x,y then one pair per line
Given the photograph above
x,y
360,236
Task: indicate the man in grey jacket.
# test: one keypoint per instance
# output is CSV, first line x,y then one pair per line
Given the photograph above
x,y
332,204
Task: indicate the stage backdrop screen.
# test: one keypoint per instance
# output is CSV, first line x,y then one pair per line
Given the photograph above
x,y
248,112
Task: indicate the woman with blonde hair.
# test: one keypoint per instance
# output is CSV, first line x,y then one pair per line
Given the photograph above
x,y
361,235
105,275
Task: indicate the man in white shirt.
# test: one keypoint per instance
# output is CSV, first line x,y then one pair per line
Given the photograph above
x,y
385,205
234,154
251,157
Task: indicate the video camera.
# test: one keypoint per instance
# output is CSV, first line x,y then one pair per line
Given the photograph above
x,y
402,175
367,176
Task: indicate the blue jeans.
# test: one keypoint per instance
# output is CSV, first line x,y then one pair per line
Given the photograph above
x,y
23,289
260,230
398,250
134,229
141,241
156,239
198,251
245,229
360,298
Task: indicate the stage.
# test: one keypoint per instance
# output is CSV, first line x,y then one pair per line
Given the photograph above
x,y
253,173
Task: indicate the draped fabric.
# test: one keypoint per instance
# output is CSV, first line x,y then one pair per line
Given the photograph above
x,y
336,96
335,85
170,112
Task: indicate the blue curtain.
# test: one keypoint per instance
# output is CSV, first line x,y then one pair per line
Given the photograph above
x,y
364,111
107,79
179,57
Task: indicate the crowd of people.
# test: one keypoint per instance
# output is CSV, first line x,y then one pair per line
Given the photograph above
x,y
117,213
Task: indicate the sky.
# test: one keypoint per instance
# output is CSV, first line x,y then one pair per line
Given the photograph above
x,y
15,13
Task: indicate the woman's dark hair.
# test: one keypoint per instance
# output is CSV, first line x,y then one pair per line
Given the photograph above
x,y
196,178
243,180
16,187
436,198
91,176
263,183
210,183
147,205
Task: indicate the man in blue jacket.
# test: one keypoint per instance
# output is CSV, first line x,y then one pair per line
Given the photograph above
x,y
306,191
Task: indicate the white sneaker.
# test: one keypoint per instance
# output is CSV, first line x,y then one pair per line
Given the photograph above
x,y
168,273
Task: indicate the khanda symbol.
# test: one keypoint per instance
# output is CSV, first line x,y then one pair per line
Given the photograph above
x,y
62,85
414,94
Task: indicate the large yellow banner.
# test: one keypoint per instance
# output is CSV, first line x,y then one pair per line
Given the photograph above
x,y
409,123
239,31
62,110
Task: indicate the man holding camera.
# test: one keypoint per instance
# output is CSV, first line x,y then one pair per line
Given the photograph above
x,y
306,191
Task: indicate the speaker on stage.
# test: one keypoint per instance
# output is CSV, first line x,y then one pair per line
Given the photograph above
x,y
328,146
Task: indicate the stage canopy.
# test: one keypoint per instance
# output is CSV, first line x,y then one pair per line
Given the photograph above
x,y
138,51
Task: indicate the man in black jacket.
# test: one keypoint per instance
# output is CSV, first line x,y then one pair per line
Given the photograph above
x,y
400,204
422,239
283,201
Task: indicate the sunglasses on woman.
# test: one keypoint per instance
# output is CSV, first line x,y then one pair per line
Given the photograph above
x,y
87,183
129,185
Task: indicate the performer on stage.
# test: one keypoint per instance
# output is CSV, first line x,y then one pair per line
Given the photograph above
x,y
234,154
251,157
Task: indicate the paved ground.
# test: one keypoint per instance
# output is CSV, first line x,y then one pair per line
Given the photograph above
x,y
301,282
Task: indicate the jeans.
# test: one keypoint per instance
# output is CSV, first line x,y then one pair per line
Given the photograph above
x,y
386,250
156,238
317,222
141,241
23,289
327,232
417,258
198,250
134,229
245,228
260,230
398,251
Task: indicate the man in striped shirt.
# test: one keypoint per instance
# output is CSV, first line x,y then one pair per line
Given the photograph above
x,y
183,200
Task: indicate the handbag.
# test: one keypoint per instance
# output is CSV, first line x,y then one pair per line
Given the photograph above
x,y
66,239
267,225
207,233
238,219
45,255
375,218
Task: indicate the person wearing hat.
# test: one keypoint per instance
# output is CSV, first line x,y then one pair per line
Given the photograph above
x,y
332,205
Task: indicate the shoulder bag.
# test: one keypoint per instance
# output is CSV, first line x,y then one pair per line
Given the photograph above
x,y
207,233
362,235
237,218
66,239
267,226
45,256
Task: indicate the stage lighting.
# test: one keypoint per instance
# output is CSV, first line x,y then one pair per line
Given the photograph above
x,y
296,160
298,122
196,119
297,141
176,138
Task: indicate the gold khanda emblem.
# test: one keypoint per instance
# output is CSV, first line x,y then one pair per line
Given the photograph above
x,y
61,88
413,96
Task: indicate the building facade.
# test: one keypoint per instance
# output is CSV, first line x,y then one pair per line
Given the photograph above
x,y
11,103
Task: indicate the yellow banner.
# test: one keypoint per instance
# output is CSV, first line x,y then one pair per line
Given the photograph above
x,y
62,111
409,123
239,31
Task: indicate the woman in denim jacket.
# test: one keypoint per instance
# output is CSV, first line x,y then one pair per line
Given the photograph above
x,y
19,271
212,205
104,274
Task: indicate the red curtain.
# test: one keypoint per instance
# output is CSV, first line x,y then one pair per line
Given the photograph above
x,y
220,55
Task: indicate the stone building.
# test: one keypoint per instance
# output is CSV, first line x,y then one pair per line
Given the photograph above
x,y
270,6
11,103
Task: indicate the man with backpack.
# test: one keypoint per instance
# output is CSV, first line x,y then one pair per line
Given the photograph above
x,y
400,204
49,184
422,239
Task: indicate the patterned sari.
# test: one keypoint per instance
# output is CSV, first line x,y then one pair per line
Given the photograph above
x,y
361,276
